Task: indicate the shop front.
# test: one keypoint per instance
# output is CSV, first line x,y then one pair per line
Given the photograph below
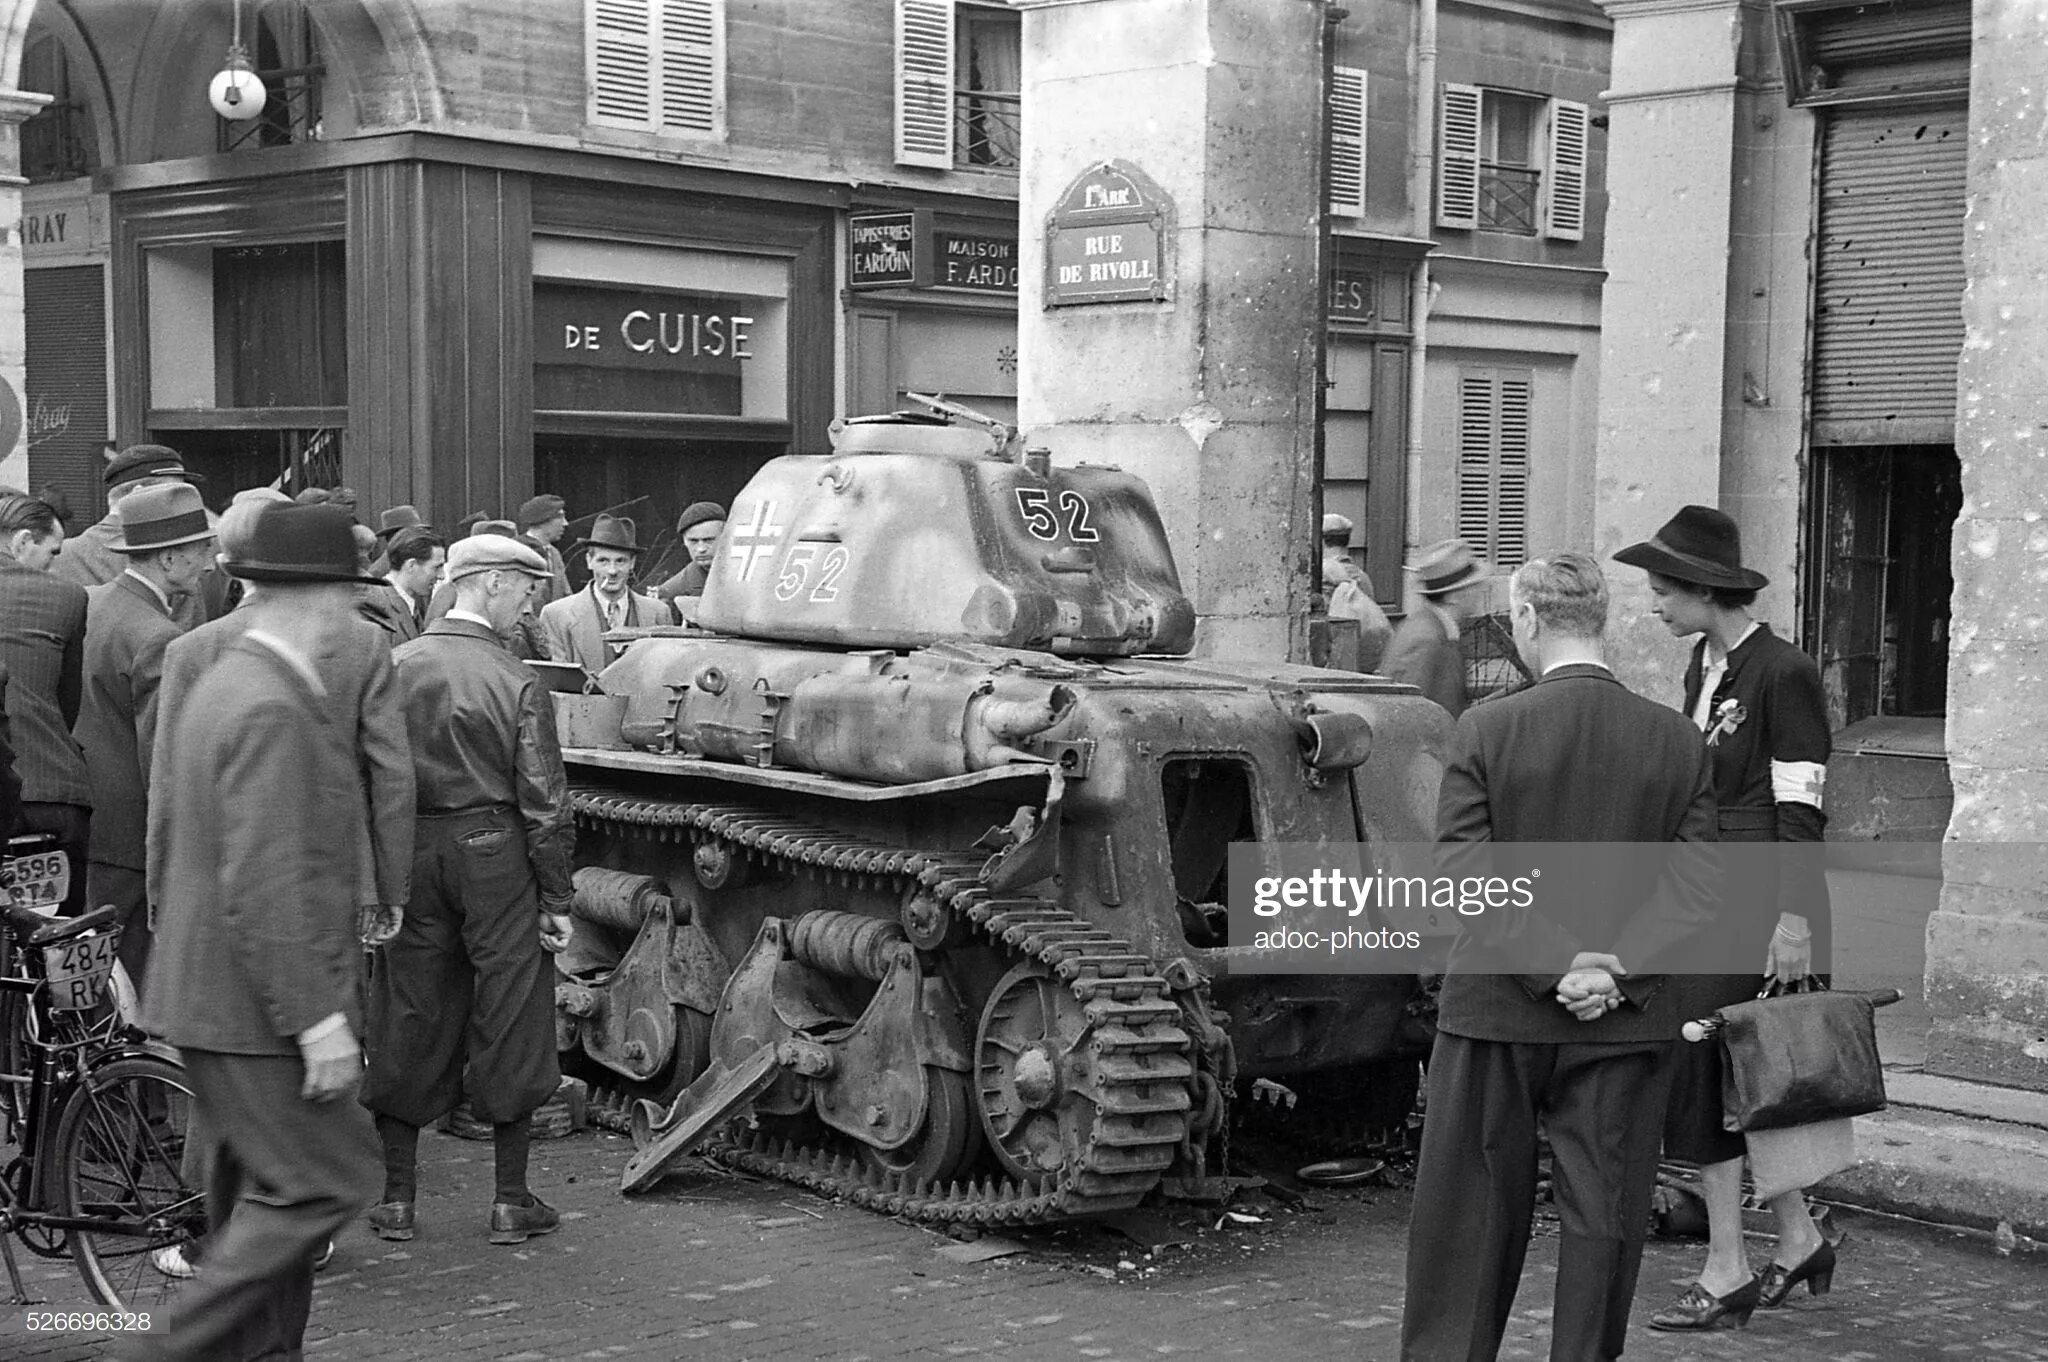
x,y
933,311
1365,423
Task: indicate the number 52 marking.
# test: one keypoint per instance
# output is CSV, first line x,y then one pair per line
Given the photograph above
x,y
796,572
1035,504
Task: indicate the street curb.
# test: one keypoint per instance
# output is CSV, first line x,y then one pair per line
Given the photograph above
x,y
1947,1169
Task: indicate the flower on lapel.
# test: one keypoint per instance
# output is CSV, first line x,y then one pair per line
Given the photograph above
x,y
1728,716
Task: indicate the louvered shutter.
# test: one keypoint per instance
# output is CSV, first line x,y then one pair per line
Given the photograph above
x,y
619,43
1493,463
692,83
1347,141
1457,194
924,83
1564,174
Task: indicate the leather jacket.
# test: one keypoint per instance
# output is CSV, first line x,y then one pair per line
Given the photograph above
x,y
483,735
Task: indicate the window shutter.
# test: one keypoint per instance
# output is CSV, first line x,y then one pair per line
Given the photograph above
x,y
1564,177
619,43
924,83
693,67
1457,195
1347,141
1493,463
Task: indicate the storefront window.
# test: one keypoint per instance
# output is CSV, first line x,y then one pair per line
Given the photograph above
x,y
248,327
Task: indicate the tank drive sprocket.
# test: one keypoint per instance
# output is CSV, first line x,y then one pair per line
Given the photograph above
x,y
1082,1073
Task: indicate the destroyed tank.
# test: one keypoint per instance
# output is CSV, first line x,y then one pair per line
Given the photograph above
x,y
902,869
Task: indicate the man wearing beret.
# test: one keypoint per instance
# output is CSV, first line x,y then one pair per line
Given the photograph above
x,y
89,557
167,542
462,1005
256,975
545,519
700,527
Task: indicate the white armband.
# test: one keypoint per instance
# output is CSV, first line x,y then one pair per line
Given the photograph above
x,y
1797,782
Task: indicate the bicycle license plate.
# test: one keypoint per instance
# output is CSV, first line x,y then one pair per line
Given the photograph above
x,y
77,971
39,880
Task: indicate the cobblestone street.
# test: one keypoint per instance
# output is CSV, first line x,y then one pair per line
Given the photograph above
x,y
720,1267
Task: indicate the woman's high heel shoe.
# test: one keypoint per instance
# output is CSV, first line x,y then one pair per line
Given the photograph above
x,y
1700,1308
1818,1272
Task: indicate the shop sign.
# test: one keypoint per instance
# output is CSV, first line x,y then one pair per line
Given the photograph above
x,y
889,250
1351,295
1106,239
978,264
631,329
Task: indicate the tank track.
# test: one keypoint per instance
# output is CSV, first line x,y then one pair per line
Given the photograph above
x,y
1143,1070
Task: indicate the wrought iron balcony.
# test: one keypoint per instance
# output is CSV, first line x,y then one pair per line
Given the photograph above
x,y
57,143
990,129
291,114
1507,199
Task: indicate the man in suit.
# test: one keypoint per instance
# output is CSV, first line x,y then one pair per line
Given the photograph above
x,y
42,646
545,519
1551,1012
168,542
463,1003
1424,651
575,626
90,558
257,972
399,607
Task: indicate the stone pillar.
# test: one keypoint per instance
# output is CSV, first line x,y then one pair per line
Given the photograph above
x,y
1665,310
1987,944
1208,395
15,106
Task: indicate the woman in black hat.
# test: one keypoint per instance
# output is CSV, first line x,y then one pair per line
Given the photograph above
x,y
1758,700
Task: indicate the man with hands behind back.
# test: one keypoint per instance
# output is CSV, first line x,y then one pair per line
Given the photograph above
x,y
1549,1012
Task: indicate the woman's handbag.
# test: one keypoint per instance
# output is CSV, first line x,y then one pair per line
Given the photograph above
x,y
1797,1058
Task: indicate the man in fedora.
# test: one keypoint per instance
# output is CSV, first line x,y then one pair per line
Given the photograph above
x,y
256,976
576,625
699,527
167,543
463,1003
90,557
1424,651
545,519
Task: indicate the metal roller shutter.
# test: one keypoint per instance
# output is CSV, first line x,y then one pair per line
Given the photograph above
x,y
1888,276
66,395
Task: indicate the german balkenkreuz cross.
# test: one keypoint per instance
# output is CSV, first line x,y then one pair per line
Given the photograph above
x,y
756,540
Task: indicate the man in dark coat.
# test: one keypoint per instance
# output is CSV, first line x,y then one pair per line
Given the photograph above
x,y
463,1003
42,646
413,561
257,971
90,558
699,526
128,624
1551,1012
1424,651
545,519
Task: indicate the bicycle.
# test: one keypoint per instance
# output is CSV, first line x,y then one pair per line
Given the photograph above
x,y
96,1112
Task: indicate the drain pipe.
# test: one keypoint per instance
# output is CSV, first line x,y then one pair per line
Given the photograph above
x,y
1422,194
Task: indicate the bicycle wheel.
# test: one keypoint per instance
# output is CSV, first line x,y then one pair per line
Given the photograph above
x,y
120,1155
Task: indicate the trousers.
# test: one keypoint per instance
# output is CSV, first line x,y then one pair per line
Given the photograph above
x,y
284,1175
1475,1191
462,1004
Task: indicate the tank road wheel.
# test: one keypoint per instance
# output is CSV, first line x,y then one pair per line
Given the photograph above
x,y
944,1147
692,1054
1060,1098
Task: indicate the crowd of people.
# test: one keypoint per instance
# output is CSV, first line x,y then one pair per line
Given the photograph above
x,y
277,738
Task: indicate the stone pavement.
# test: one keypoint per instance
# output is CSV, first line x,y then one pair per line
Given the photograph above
x,y
719,1267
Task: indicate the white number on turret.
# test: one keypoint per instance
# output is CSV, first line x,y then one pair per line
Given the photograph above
x,y
797,570
1035,504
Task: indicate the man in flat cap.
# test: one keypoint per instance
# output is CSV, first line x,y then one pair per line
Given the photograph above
x,y
89,557
527,640
256,975
168,543
576,625
463,1004
545,519
700,527
1348,591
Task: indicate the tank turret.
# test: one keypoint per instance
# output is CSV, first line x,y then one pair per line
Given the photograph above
x,y
915,532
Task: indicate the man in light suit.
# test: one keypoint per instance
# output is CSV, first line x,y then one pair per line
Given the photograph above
x,y
575,626
1424,651
168,543
257,972
1552,1011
